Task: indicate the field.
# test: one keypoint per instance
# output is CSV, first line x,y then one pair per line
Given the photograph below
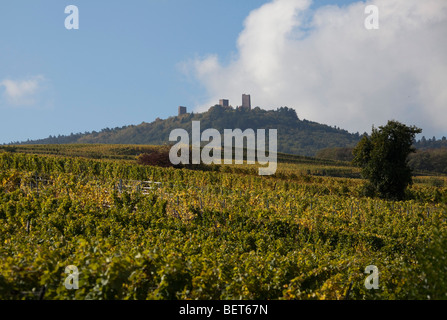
x,y
142,232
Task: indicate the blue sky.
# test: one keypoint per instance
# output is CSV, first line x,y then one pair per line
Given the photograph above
x,y
126,64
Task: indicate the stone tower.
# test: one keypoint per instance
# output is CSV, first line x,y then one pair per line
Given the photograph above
x,y
181,110
224,102
246,102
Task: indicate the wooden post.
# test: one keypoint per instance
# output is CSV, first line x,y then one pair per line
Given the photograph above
x,y
42,292
349,291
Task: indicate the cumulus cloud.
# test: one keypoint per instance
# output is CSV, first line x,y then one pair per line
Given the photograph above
x,y
24,92
325,64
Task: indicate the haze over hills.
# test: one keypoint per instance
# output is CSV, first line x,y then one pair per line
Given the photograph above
x,y
295,136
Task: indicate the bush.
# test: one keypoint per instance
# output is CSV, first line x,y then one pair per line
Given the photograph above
x,y
159,158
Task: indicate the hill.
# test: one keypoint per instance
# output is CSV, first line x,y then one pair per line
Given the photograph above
x,y
295,136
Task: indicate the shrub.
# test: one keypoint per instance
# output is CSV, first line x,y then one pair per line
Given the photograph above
x,y
159,158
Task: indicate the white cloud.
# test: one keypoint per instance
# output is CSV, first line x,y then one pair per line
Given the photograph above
x,y
25,92
331,69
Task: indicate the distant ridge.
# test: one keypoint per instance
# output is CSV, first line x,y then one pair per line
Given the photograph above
x,y
295,136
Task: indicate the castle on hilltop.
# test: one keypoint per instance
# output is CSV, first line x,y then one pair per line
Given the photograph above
x,y
246,104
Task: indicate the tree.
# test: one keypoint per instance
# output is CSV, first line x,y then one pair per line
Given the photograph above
x,y
383,158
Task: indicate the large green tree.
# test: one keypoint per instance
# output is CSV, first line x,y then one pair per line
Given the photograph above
x,y
383,157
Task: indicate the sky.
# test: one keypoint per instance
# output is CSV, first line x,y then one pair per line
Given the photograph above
x,y
133,61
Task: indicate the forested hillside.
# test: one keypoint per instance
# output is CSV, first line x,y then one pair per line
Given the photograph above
x,y
295,136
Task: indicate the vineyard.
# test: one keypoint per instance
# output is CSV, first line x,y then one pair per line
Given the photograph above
x,y
143,232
